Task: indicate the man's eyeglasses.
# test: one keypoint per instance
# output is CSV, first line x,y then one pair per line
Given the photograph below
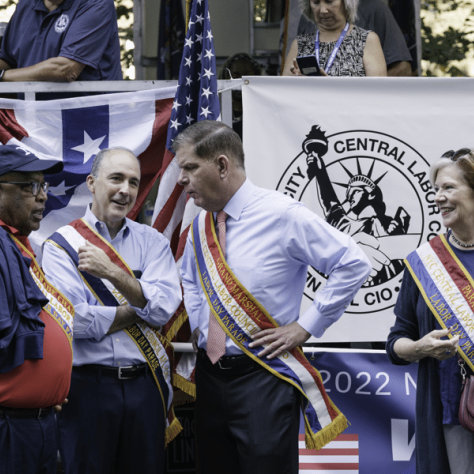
x,y
35,186
455,155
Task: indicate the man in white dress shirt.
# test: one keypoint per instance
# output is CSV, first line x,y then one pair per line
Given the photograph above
x,y
247,416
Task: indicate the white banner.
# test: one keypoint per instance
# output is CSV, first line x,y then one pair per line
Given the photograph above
x,y
357,152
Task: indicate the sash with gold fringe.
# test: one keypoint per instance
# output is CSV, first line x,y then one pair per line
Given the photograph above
x,y
59,307
156,348
447,289
241,315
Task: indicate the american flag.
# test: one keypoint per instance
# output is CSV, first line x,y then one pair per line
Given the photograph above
x,y
196,99
340,456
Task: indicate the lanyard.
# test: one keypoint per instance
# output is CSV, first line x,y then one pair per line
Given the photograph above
x,y
334,51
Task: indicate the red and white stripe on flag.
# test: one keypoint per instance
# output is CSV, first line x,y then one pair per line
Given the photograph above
x,y
340,456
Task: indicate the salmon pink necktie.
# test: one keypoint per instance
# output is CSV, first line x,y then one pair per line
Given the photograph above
x,y
216,335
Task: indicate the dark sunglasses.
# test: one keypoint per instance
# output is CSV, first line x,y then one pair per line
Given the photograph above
x,y
455,155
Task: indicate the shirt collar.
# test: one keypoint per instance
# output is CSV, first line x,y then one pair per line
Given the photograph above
x,y
237,202
16,233
66,5
100,226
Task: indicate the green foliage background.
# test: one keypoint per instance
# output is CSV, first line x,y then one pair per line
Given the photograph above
x,y
444,47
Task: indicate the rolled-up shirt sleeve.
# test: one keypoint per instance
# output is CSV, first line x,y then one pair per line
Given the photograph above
x,y
91,320
310,240
160,283
158,279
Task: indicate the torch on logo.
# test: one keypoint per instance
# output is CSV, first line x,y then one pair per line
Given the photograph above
x,y
373,187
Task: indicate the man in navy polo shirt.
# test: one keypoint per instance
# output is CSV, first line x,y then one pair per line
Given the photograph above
x,y
61,41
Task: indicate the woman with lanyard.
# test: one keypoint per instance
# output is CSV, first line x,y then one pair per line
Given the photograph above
x,y
434,316
340,47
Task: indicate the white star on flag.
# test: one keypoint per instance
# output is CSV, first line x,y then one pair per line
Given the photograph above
x,y
206,92
90,147
208,73
205,111
60,189
175,124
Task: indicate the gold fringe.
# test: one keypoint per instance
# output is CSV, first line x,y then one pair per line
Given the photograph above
x,y
185,385
172,430
325,435
176,326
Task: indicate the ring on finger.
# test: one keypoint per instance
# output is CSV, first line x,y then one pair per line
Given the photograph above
x,y
448,351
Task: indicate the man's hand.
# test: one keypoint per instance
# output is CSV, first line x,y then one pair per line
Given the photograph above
x,y
195,338
280,339
94,260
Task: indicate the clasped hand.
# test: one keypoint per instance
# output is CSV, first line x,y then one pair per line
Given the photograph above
x,y
94,260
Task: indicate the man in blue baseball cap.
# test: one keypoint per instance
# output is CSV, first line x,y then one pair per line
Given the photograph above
x,y
35,322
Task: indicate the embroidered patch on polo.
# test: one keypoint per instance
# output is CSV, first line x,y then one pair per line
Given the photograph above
x,y
61,23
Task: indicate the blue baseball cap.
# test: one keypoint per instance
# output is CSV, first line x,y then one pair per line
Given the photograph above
x,y
14,158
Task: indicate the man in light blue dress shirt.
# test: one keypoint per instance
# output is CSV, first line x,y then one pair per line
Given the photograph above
x,y
247,419
115,418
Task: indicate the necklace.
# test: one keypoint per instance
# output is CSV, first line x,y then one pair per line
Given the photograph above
x,y
461,243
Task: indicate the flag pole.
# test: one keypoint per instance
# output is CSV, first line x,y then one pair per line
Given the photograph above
x,y
188,12
285,35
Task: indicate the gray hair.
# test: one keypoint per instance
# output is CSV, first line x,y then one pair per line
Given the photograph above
x,y
211,139
350,6
102,154
465,163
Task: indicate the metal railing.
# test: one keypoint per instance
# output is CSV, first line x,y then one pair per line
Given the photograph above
x,y
30,89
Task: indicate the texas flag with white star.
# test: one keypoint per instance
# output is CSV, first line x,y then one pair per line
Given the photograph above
x,y
74,130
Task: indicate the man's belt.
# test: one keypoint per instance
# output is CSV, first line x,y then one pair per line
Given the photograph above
x,y
122,373
38,413
228,362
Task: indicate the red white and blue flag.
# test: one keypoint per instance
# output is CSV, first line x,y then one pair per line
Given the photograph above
x,y
196,99
340,456
74,130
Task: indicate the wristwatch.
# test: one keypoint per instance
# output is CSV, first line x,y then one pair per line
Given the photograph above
x,y
2,72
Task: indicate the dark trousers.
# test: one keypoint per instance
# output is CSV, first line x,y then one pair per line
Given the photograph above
x,y
247,420
112,426
28,445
